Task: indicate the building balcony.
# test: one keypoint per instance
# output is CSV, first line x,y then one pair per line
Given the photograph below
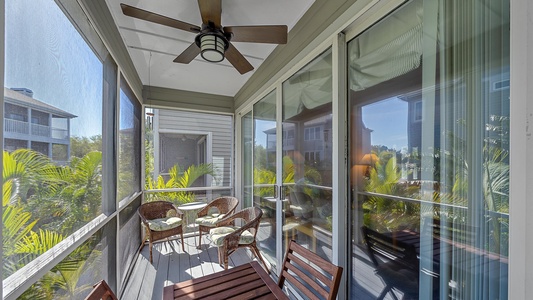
x,y
21,127
40,130
15,126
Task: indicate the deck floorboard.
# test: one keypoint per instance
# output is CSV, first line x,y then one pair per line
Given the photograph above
x,y
172,265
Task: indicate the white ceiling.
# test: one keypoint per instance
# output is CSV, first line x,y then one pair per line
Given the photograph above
x,y
153,47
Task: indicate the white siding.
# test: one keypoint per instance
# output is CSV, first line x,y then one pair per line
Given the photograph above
x,y
219,126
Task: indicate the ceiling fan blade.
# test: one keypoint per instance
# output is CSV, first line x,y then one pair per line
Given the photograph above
x,y
142,14
188,54
271,34
210,11
237,60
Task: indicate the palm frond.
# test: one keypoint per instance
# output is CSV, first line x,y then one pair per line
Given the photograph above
x,y
192,174
16,226
38,243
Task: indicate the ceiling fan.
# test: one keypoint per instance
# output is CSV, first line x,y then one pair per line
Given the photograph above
x,y
212,40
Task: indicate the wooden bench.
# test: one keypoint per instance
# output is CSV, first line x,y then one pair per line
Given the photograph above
x,y
101,291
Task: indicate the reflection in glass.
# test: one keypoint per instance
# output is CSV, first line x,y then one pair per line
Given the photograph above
x,y
264,159
430,153
307,157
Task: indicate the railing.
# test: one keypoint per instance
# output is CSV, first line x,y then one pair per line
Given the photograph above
x,y
391,213
440,205
191,189
271,145
40,130
15,126
58,133
288,142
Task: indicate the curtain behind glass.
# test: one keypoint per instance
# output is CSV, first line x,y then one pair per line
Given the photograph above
x,y
447,186
310,88
474,60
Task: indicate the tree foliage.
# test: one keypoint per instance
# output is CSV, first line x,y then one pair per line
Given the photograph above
x,y
42,203
178,179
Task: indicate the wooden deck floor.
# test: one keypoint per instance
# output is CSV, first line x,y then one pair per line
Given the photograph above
x,y
171,265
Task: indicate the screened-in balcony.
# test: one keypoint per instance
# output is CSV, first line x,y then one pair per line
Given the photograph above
x,y
390,138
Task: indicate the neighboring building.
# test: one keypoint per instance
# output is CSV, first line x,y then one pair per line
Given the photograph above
x,y
496,123
32,124
313,143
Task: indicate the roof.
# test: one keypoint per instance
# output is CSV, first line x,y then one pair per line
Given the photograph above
x,y
14,97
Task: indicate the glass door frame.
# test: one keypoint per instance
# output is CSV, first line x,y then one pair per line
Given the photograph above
x,y
340,171
239,182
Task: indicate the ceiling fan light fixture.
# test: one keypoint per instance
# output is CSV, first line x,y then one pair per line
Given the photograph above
x,y
212,47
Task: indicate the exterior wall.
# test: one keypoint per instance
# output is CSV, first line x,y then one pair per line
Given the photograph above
x,y
217,126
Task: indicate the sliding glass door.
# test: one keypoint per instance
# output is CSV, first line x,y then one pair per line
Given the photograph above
x,y
307,157
429,146
292,166
265,186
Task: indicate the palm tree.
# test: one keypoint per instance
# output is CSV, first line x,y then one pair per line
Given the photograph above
x,y
78,198
31,179
385,214
22,169
263,176
178,180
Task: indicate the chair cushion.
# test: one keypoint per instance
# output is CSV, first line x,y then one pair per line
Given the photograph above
x,y
302,211
209,220
172,213
219,233
164,223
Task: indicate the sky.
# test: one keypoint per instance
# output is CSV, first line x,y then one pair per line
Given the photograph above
x,y
47,55
260,127
388,120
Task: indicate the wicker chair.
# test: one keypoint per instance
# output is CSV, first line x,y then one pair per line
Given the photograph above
x,y
229,238
216,210
161,220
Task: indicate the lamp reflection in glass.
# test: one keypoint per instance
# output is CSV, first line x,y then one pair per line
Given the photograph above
x,y
369,160
212,47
